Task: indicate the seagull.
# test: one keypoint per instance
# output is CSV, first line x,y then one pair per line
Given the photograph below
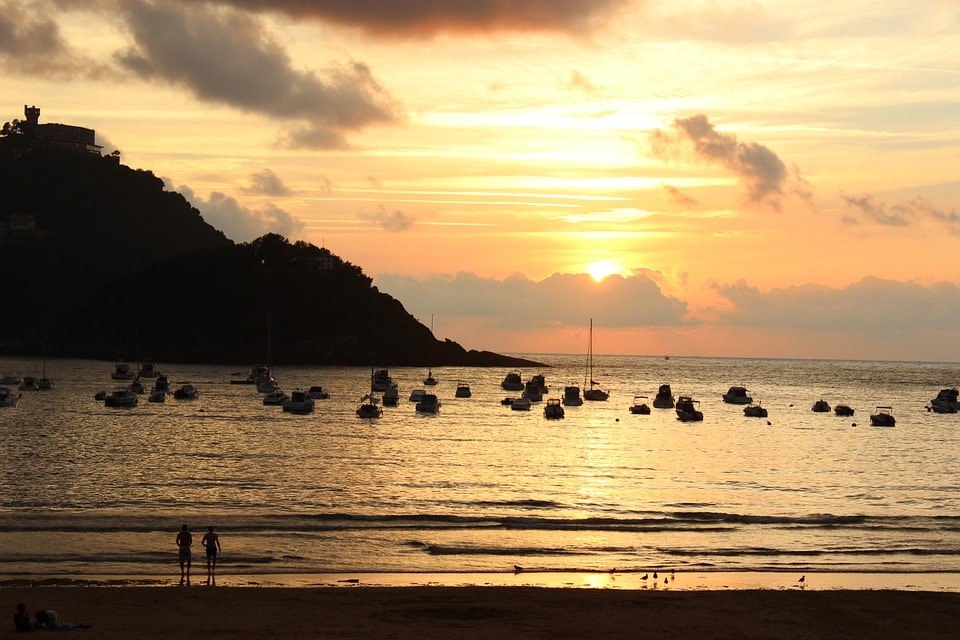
x,y
654,575
802,580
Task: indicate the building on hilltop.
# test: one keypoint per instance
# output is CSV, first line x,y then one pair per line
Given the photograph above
x,y
62,136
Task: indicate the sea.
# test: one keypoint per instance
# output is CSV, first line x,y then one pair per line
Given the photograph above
x,y
480,488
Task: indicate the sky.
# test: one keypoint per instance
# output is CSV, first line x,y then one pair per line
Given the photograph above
x,y
720,177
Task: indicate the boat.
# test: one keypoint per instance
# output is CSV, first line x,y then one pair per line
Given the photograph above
x,y
512,382
664,397
821,406
317,392
571,396
157,395
100,395
639,406
532,391
391,396
687,409
369,407
380,380
137,387
463,390
430,381
11,380
883,417
148,370
540,381
276,397
186,392
843,410
946,401
44,384
553,410
29,383
429,403
754,411
162,383
520,404
593,393
416,395
257,371
9,397
122,398
508,401
121,371
737,395
298,402
266,383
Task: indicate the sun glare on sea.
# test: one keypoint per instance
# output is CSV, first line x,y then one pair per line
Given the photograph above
x,y
600,270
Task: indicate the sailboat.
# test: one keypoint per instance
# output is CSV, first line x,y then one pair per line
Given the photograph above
x,y
592,393
430,380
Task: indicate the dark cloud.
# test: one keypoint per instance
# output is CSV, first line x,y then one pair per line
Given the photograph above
x,y
391,221
268,183
228,57
899,214
429,17
239,223
761,171
31,43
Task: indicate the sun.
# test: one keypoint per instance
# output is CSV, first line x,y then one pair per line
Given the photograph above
x,y
601,269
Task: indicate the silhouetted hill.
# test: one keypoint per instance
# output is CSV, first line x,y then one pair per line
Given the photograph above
x,y
103,263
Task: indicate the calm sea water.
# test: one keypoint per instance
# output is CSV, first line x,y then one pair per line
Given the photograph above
x,y
89,490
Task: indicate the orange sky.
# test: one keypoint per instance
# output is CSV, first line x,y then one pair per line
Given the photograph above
x,y
762,178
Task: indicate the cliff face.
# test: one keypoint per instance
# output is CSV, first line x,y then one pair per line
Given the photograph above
x,y
107,264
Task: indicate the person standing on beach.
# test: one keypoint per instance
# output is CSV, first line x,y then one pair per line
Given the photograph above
x,y
184,540
211,542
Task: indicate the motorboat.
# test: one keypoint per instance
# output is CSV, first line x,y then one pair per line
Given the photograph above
x,y
380,380
266,383
148,370
512,382
737,395
257,371
821,406
122,371
639,406
122,398
541,382
593,392
44,384
430,381
162,383
157,395
532,391
186,392
687,409
463,390
754,411
416,395
391,397
369,407
553,410
9,396
298,402
520,404
29,383
275,397
883,417
571,396
843,410
946,401
138,387
429,403
11,380
508,401
664,397
317,392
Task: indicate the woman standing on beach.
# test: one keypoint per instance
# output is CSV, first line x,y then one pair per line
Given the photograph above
x,y
211,542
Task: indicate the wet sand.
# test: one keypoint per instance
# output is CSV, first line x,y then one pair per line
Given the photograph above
x,y
499,612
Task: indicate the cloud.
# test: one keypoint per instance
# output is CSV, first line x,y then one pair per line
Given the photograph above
x,y
760,170
680,198
239,223
581,82
871,304
228,57
520,303
429,17
395,221
900,214
267,183
31,43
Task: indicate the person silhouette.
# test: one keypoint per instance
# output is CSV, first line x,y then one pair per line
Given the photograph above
x,y
184,540
211,541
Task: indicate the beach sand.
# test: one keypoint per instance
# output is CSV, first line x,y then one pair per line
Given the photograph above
x,y
480,612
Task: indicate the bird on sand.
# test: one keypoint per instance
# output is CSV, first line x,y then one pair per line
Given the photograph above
x,y
802,580
517,568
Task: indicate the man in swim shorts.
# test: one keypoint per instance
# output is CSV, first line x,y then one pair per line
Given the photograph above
x,y
184,540
211,542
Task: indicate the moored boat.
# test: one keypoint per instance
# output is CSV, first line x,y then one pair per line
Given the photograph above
x,y
317,392
298,402
593,392
639,406
429,403
664,397
276,397
737,395
186,392
122,371
520,404
381,380
687,410
754,411
463,390
571,396
9,396
157,395
391,397
369,407
843,410
946,401
553,410
122,398
821,406
29,384
512,382
883,417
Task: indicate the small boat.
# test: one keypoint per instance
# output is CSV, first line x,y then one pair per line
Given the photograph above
x,y
186,392
45,384
508,401
137,387
883,417
430,381
100,395
687,409
381,380
946,401
541,382
429,403
9,397
298,402
593,393
821,406
122,398
157,395
532,391
463,390
941,408
121,371
162,383
148,370
257,371
391,397
266,384
639,406
276,397
571,396
11,380
520,404
754,411
416,395
317,392
664,398
843,410
29,383
512,382
553,410
369,407
737,395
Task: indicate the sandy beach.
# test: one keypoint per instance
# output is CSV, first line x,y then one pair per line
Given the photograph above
x,y
489,612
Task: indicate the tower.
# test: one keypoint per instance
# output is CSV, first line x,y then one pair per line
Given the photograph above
x,y
32,115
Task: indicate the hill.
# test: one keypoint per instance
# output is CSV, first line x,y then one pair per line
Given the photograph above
x,y
103,263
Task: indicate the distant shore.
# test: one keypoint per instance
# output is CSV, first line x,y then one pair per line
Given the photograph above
x,y
491,612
